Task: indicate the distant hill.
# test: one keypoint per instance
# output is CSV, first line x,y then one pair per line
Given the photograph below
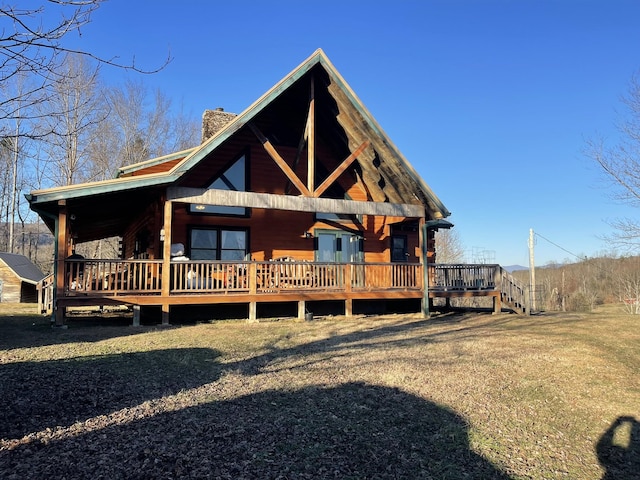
x,y
513,268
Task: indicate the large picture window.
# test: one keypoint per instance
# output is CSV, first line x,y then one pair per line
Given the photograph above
x,y
233,178
218,244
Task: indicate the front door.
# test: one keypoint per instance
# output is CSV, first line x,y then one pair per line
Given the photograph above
x,y
338,246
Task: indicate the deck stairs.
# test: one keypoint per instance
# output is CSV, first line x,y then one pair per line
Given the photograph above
x,y
513,293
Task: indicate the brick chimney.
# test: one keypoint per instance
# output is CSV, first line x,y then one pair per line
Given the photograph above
x,y
213,121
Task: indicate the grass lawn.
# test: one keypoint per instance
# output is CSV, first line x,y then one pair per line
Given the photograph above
x,y
459,396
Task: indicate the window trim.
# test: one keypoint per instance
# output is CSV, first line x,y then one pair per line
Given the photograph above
x,y
219,229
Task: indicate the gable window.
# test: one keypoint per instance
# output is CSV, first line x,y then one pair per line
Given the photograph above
x,y
218,243
234,178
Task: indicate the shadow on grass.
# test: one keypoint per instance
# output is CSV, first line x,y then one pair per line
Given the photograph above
x,y
26,331
39,395
620,456
351,431
399,334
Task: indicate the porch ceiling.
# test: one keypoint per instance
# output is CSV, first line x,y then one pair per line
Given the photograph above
x,y
101,216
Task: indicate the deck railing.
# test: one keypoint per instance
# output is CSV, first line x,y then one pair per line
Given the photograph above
x,y
101,278
127,277
445,277
113,276
277,276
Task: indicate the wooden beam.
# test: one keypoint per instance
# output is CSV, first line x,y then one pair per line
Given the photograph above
x,y
289,202
311,143
291,175
341,168
166,258
62,239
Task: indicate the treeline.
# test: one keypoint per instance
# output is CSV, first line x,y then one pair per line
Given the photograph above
x,y
583,285
82,130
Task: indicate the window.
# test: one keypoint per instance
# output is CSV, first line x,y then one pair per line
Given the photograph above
x,y
399,251
233,178
218,244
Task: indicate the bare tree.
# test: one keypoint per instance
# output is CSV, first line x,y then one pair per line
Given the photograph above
x,y
70,116
32,44
140,125
449,248
620,165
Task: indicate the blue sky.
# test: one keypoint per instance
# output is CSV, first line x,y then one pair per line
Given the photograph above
x,y
491,101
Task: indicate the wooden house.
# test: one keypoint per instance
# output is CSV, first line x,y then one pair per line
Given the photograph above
x,y
18,279
300,198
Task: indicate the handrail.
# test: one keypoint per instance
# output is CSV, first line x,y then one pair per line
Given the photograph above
x,y
447,277
45,294
514,292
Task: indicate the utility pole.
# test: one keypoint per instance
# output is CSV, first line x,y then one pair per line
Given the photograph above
x,y
532,273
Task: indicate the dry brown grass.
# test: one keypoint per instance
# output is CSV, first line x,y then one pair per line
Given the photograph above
x,y
455,396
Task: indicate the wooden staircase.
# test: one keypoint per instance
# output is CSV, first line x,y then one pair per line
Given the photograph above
x,y
513,293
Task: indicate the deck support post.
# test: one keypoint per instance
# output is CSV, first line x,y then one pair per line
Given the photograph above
x,y
253,311
165,315
348,307
136,316
497,304
302,309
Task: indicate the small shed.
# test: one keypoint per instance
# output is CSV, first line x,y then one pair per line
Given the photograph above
x,y
18,279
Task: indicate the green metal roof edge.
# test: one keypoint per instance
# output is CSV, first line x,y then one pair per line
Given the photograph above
x,y
95,188
154,161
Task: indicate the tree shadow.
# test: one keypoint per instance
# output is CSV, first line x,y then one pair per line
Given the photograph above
x,y
39,395
618,449
350,431
389,335
26,331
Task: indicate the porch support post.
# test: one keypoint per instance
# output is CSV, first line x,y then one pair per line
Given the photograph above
x,y
425,268
136,315
166,261
497,304
301,309
253,311
62,238
497,281
348,307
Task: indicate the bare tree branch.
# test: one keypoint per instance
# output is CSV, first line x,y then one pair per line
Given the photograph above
x,y
620,168
33,45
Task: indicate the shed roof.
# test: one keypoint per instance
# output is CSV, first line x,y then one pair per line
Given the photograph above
x,y
22,267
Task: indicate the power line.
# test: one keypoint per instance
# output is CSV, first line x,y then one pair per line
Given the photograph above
x,y
561,248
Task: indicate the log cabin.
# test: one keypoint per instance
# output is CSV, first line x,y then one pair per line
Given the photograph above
x,y
300,198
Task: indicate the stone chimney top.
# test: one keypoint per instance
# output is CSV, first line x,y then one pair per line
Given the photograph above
x,y
213,121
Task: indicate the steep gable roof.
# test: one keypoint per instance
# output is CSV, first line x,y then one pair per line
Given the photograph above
x,y
22,267
384,171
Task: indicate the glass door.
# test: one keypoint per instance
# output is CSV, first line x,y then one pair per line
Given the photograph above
x,y
338,246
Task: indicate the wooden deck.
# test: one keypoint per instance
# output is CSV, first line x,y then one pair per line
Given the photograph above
x,y
140,282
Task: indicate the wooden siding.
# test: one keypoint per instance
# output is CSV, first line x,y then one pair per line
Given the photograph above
x,y
11,285
13,289
159,168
